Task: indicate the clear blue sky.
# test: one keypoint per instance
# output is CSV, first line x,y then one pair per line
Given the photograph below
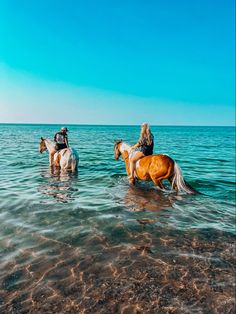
x,y
117,62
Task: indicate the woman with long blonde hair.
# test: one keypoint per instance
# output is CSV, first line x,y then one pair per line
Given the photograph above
x,y
146,144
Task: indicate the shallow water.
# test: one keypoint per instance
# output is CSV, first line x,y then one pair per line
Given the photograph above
x,y
90,243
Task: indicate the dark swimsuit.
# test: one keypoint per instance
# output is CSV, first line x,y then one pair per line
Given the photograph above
x,y
60,146
145,148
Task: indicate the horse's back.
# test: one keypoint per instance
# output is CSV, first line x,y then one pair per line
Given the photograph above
x,y
155,158
67,158
156,162
64,151
69,152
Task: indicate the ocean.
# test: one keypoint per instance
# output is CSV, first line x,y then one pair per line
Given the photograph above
x,y
91,243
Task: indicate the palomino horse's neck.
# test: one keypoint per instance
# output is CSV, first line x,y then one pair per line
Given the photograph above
x,y
125,150
125,156
49,144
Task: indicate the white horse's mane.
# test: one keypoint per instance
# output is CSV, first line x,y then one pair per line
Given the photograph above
x,y
50,145
48,140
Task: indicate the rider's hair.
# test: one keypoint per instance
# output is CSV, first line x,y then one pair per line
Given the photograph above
x,y
146,133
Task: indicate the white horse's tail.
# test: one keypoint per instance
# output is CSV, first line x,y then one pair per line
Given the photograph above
x,y
179,183
69,159
74,160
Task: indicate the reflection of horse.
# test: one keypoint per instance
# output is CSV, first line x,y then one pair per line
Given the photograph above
x,y
66,159
58,184
154,167
141,199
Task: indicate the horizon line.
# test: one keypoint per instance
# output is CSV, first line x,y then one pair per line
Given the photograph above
x,y
89,124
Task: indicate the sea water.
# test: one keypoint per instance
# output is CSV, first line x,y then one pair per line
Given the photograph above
x,y
91,243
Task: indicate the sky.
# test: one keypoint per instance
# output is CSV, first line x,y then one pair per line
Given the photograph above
x,y
117,62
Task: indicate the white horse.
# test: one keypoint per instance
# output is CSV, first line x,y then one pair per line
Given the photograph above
x,y
66,159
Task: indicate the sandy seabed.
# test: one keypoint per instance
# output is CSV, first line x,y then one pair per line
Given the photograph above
x,y
147,277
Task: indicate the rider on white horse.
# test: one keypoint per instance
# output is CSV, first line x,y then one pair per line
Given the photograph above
x,y
60,155
61,140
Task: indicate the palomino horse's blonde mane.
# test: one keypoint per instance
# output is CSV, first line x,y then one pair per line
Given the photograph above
x,y
126,147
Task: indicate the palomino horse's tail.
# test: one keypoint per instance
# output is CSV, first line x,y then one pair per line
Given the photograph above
x,y
179,183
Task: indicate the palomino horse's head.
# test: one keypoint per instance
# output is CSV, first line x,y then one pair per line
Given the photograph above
x,y
117,149
42,145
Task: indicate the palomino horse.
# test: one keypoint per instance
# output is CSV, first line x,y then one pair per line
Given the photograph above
x,y
66,159
155,167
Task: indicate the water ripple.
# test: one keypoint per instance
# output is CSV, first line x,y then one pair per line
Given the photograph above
x,y
90,243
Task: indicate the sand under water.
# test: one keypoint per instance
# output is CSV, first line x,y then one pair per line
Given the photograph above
x,y
90,243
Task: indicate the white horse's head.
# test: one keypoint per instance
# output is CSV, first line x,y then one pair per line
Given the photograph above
x,y
42,145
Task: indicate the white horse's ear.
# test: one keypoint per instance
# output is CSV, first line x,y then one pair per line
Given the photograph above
x,y
116,142
42,139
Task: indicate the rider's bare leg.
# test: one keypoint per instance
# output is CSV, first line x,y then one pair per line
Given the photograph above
x,y
133,161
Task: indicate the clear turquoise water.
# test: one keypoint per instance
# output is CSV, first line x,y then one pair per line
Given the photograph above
x,y
79,242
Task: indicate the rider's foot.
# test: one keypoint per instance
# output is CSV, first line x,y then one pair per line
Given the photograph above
x,y
131,180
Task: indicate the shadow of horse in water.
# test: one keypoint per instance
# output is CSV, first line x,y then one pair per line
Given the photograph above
x,y
138,199
57,184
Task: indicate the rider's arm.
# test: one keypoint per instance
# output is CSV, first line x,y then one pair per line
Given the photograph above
x,y
55,137
135,146
66,141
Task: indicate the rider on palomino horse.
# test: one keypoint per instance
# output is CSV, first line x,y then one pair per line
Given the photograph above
x,y
146,144
155,168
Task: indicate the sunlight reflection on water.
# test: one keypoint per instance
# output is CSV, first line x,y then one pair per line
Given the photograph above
x,y
90,242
